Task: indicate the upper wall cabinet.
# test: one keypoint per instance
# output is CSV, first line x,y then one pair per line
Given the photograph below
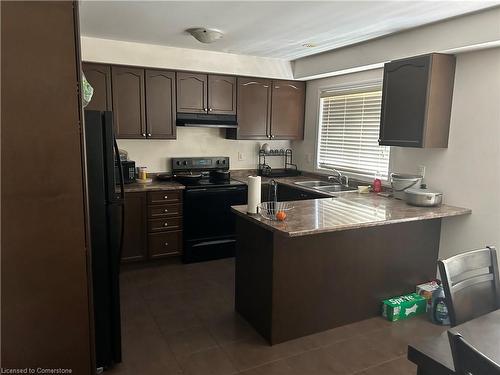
x,y
287,110
160,104
269,109
254,109
206,93
221,95
416,101
99,77
128,102
192,92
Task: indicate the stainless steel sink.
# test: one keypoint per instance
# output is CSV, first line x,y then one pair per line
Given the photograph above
x,y
335,188
313,184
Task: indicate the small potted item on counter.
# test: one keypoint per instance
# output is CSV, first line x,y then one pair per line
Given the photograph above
x,y
377,184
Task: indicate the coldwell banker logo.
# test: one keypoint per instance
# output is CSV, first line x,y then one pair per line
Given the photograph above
x,y
36,370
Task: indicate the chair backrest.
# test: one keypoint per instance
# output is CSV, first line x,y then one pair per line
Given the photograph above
x,y
471,284
468,360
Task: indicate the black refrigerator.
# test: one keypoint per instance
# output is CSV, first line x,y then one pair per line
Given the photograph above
x,y
106,213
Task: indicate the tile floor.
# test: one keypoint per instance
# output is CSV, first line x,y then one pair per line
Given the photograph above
x,y
179,319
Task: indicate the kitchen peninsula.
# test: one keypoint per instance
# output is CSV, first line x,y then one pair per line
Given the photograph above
x,y
332,261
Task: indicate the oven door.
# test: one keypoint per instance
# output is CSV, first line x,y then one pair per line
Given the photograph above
x,y
209,224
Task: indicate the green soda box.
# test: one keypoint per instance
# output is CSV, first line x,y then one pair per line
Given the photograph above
x,y
403,307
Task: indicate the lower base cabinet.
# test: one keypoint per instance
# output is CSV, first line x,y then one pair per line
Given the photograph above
x,y
153,225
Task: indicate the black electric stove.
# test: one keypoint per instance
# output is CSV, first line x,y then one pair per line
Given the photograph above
x,y
209,224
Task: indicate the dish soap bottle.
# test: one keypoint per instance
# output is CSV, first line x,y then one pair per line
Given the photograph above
x,y
439,310
377,183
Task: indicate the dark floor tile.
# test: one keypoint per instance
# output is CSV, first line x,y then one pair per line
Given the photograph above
x,y
208,362
280,367
256,351
355,354
187,342
177,320
229,327
400,366
317,362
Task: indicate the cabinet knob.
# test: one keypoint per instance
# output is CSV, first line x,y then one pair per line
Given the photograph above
x,y
165,197
165,224
143,134
210,110
166,243
165,210
205,109
149,134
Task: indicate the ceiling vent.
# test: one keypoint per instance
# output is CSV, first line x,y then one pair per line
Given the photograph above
x,y
205,35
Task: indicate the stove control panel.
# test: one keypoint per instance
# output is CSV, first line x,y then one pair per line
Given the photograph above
x,y
200,164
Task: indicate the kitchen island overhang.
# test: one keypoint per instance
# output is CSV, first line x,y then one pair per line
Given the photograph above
x,y
332,261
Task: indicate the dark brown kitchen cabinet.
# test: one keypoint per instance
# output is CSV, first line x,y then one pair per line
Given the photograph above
x,y
99,77
160,104
287,110
128,102
192,93
135,228
416,101
253,109
221,95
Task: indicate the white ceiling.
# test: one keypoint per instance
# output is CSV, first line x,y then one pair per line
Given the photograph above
x,y
269,29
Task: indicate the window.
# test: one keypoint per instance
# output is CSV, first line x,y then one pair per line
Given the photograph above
x,y
349,132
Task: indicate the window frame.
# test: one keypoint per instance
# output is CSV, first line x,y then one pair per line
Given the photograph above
x,y
349,88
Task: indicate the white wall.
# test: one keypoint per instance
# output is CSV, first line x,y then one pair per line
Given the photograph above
x,y
448,36
155,56
156,154
468,171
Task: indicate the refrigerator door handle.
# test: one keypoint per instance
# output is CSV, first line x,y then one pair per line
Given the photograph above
x,y
122,197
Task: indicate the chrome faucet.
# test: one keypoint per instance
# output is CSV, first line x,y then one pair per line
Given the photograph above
x,y
340,178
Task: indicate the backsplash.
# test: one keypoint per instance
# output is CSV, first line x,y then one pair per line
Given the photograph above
x,y
156,154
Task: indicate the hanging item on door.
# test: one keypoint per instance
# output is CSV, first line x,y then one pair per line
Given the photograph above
x,y
88,91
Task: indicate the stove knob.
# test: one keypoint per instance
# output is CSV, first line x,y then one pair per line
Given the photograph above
x,y
185,162
218,161
178,162
223,161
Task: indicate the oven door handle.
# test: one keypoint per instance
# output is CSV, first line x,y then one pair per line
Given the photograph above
x,y
216,190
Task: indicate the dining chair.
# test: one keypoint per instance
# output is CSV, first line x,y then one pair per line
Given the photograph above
x,y
471,284
468,360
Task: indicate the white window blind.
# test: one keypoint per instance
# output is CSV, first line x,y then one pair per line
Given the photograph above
x,y
349,132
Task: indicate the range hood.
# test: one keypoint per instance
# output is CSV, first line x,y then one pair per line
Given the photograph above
x,y
203,120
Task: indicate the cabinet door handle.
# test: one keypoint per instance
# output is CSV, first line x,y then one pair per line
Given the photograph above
x,y
166,243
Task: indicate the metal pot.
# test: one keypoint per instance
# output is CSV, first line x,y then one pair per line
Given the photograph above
x,y
423,197
402,181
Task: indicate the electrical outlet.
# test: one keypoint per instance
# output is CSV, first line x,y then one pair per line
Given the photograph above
x,y
241,156
421,170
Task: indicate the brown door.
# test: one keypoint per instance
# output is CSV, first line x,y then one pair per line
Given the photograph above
x,y
192,93
160,104
44,283
135,227
99,77
254,101
287,114
221,94
404,98
128,102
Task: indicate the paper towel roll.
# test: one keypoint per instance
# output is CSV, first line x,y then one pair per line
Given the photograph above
x,y
254,185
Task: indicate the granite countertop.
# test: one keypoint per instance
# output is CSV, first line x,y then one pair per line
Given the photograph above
x,y
347,211
153,186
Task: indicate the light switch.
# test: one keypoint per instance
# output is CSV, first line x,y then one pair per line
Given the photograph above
x,y
241,156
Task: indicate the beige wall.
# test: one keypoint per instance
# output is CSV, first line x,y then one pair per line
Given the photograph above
x,y
155,56
468,171
156,154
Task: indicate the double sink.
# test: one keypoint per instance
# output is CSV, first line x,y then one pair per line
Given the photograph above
x,y
326,187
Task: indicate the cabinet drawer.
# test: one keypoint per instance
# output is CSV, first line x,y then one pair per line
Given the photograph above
x,y
164,244
156,197
165,210
167,224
